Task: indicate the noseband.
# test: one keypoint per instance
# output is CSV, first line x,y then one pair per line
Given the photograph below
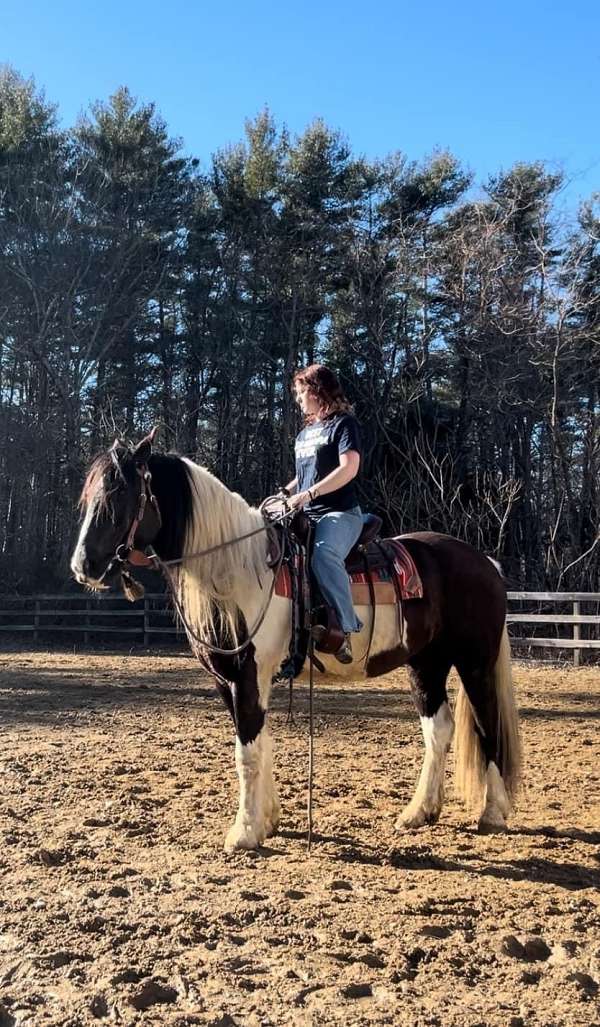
x,y
126,551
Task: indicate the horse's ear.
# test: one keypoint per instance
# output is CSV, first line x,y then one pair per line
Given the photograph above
x,y
143,450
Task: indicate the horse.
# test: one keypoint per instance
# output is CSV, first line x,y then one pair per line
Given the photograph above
x,y
134,498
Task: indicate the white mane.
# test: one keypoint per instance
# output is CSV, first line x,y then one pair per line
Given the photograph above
x,y
210,587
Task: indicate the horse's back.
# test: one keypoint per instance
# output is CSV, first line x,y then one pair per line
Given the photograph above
x,y
471,588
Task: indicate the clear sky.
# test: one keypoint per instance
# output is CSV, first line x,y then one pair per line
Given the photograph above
x,y
493,82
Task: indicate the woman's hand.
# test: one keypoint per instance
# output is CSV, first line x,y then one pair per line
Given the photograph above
x,y
300,499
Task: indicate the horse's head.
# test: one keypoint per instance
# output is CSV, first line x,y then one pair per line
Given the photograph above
x,y
119,513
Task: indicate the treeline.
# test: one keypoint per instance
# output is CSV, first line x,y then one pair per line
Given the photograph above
x,y
140,287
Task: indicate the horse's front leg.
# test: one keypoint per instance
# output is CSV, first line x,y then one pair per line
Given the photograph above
x,y
258,812
271,800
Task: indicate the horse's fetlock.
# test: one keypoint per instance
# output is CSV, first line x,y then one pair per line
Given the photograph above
x,y
415,816
243,835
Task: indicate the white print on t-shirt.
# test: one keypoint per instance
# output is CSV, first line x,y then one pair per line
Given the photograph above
x,y
312,441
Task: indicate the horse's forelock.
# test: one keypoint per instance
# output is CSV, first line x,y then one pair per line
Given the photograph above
x,y
96,483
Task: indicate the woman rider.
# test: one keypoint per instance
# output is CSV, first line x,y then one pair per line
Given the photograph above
x,y
327,461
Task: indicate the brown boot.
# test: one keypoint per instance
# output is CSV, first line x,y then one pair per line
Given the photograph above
x,y
318,632
344,653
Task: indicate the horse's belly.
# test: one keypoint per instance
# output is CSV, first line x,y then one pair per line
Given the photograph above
x,y
385,637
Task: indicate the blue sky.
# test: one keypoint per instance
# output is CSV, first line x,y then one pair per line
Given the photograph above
x,y
492,82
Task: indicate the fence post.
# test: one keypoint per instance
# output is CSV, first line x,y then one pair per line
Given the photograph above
x,y
146,624
576,633
36,620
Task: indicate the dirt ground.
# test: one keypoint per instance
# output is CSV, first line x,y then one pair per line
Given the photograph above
x,y
118,904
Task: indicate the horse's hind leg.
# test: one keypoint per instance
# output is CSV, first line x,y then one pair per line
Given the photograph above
x,y
428,672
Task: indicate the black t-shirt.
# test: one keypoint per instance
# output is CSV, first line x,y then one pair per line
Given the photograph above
x,y
318,450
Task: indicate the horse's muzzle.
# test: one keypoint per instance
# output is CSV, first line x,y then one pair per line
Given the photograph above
x,y
86,572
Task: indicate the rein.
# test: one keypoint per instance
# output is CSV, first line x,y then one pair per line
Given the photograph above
x,y
163,565
125,549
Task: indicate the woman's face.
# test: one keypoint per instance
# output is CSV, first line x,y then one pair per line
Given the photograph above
x,y
306,400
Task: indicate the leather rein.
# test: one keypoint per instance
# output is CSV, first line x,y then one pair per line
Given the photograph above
x,y
127,553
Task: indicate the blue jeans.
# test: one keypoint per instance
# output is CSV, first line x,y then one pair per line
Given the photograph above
x,y
335,535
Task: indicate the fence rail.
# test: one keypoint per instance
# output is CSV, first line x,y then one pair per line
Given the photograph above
x,y
150,617
144,616
576,619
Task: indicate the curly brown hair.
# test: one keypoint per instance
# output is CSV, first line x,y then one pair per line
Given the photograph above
x,y
324,386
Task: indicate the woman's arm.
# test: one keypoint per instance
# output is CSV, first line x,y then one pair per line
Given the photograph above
x,y
347,470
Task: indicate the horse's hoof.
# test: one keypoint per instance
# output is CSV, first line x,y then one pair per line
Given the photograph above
x,y
242,836
491,827
410,820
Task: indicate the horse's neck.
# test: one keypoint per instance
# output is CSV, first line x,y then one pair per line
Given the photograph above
x,y
219,516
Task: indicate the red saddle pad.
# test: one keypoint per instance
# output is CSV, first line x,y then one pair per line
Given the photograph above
x,y
407,577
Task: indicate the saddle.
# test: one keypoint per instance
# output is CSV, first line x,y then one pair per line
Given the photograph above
x,y
381,571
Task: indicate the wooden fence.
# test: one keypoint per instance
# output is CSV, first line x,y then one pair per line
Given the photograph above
x,y
576,619
151,617
89,615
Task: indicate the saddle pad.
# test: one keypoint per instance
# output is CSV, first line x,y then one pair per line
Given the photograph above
x,y
407,576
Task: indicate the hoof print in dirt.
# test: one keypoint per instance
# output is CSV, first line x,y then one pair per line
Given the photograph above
x,y
536,950
6,1018
435,931
60,958
152,993
372,960
118,892
530,977
585,983
357,991
511,946
99,1007
53,857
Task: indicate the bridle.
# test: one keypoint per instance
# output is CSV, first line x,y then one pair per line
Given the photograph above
x,y
126,550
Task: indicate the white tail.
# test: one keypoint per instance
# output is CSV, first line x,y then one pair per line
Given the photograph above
x,y
469,759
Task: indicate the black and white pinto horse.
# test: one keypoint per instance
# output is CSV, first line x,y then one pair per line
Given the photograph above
x,y
460,622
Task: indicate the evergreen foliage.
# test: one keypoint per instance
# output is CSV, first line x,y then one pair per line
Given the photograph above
x,y
138,288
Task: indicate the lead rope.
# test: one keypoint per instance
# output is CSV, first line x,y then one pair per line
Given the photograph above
x,y
311,672
311,742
